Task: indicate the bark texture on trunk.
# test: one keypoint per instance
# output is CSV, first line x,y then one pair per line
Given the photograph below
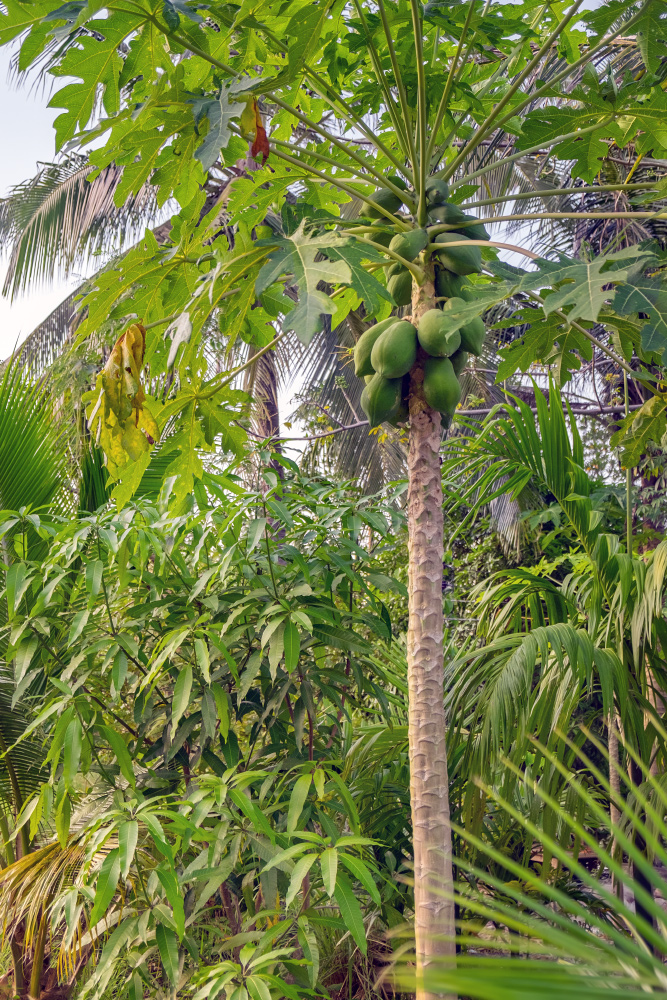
x,y
429,787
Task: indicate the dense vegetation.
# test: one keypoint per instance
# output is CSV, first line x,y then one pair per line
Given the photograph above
x,y
388,715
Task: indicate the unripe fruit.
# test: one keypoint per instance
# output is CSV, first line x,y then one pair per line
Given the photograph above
x,y
436,336
399,287
447,214
459,259
476,232
409,245
396,268
381,236
384,197
473,335
397,181
459,361
364,346
448,284
441,386
401,416
437,191
381,399
395,350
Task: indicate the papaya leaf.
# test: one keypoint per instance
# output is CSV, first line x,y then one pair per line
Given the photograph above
x,y
296,256
640,427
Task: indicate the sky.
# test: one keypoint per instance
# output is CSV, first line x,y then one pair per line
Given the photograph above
x,y
27,127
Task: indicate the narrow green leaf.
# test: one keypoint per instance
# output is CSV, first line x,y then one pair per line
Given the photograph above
x,y
350,911
222,708
128,835
297,800
362,873
167,944
276,648
94,570
122,754
63,815
329,867
106,885
203,659
256,530
173,893
181,697
72,752
292,643
79,622
301,869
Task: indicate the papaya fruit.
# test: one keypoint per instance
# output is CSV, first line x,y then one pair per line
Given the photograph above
x,y
473,335
448,214
441,386
402,415
381,399
409,245
381,236
459,360
436,336
369,378
395,351
437,191
396,268
447,283
399,287
397,181
461,259
476,232
364,346
384,197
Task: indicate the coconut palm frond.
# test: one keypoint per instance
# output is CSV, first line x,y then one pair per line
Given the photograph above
x,y
21,763
35,880
33,462
560,913
58,219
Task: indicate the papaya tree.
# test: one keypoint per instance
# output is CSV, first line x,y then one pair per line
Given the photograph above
x,y
403,112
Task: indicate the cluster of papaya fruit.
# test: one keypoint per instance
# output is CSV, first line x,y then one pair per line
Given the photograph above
x,y
386,353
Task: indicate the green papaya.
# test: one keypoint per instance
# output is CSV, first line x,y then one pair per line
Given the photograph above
x,y
409,245
364,346
381,236
395,351
447,283
441,386
435,334
396,268
448,214
402,415
399,287
397,181
381,399
473,335
384,197
369,378
459,259
459,361
476,232
437,191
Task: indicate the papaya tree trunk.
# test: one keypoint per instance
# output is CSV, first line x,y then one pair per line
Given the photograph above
x,y
429,789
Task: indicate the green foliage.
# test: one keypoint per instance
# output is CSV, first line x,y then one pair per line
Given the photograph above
x,y
201,672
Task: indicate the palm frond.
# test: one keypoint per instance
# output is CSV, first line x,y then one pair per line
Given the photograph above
x,y
556,928
58,219
33,462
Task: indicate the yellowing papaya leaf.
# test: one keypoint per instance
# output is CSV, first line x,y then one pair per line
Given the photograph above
x,y
123,426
